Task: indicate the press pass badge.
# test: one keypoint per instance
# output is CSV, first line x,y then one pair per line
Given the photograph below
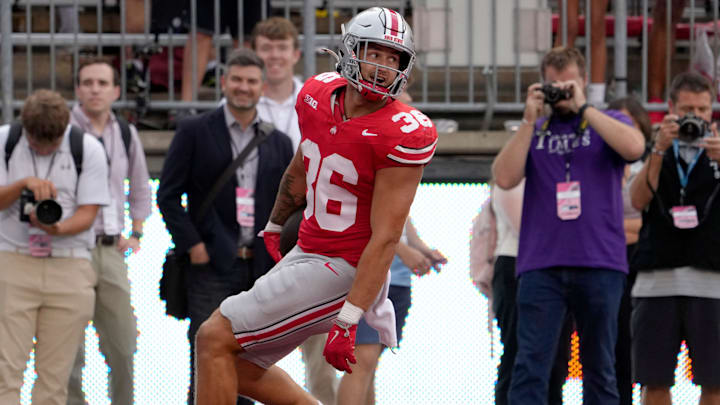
x,y
684,217
568,200
39,243
245,204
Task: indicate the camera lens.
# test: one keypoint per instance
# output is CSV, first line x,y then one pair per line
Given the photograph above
x,y
691,128
48,212
555,94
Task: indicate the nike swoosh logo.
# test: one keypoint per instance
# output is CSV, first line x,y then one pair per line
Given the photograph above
x,y
366,133
333,338
327,264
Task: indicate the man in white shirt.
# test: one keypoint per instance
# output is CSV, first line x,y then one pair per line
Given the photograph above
x,y
275,41
97,89
46,282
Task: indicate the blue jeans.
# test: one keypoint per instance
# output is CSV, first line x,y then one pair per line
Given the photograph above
x,y
543,299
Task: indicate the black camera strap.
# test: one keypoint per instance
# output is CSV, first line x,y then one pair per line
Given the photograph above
x,y
262,131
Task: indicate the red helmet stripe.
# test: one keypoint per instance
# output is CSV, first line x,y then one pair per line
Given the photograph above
x,y
394,23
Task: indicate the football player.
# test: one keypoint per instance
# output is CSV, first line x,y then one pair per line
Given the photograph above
x,y
359,163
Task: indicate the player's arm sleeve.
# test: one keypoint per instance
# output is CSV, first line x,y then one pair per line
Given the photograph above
x,y
92,186
414,149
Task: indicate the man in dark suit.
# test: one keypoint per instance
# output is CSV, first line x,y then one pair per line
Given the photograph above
x,y
226,256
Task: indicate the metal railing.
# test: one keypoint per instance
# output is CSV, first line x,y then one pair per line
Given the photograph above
x,y
462,44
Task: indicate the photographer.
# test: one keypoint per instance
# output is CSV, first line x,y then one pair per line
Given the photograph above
x,y
571,254
677,291
52,181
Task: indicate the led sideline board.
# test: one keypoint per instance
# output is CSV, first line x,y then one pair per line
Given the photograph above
x,y
449,353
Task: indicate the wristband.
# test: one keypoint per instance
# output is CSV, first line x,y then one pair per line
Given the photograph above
x,y
273,227
350,314
135,234
581,110
657,152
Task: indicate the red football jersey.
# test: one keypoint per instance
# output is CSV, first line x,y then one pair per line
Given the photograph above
x,y
341,158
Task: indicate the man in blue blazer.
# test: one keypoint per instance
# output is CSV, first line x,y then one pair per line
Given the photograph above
x,y
226,256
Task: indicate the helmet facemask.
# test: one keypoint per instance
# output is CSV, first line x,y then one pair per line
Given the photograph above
x,y
373,88
373,27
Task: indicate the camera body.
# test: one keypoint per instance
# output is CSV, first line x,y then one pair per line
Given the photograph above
x,y
554,94
691,128
48,212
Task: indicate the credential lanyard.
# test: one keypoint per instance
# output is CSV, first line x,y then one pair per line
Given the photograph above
x,y
52,162
579,129
683,175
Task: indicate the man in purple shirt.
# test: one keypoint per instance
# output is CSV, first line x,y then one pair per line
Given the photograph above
x,y
571,254
97,88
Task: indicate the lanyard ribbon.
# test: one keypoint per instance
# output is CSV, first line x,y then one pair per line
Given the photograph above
x,y
684,176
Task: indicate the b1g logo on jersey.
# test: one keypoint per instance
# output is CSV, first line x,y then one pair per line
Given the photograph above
x,y
311,101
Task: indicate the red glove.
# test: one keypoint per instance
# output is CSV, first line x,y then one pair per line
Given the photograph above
x,y
340,346
271,236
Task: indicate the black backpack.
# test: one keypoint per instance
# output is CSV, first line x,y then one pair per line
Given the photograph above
x,y
76,141
76,144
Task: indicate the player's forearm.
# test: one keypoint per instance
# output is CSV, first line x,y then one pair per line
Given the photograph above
x,y
371,272
291,192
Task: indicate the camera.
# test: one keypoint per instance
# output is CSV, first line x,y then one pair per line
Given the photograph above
x,y
555,94
691,128
47,212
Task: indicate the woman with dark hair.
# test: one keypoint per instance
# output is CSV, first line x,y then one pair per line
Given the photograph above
x,y
632,223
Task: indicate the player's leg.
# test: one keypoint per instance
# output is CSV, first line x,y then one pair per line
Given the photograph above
x,y
216,350
253,330
271,386
222,375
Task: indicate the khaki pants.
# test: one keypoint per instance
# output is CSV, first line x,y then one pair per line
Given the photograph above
x,y
320,377
116,327
51,299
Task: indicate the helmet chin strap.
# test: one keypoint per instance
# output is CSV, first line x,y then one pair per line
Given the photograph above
x,y
364,87
370,95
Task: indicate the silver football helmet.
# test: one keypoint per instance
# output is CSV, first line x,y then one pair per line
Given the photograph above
x,y
384,27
